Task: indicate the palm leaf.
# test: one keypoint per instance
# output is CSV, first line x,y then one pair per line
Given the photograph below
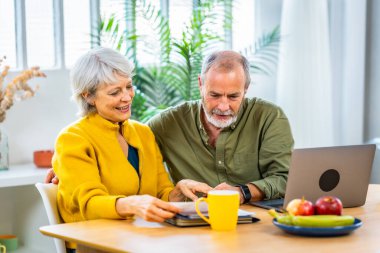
x,y
263,56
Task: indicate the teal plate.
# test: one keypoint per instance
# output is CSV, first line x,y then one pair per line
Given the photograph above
x,y
319,232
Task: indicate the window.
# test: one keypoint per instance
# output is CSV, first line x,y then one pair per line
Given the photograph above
x,y
54,33
217,26
243,24
147,51
77,29
40,33
179,16
8,32
107,9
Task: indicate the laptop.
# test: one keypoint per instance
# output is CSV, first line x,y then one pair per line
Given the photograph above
x,y
342,171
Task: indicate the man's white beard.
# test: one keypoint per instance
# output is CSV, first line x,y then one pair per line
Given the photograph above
x,y
220,123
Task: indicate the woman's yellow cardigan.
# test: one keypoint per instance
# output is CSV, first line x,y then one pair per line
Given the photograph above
x,y
93,171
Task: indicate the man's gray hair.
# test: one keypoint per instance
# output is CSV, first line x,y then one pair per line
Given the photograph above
x,y
226,60
96,67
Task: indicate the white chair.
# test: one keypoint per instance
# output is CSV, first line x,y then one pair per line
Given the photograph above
x,y
49,198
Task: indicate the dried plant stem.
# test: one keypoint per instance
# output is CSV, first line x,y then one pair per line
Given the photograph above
x,y
19,86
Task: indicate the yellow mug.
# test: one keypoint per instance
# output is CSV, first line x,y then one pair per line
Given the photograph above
x,y
3,249
223,206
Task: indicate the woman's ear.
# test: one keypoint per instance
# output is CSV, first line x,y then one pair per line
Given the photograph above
x,y
88,98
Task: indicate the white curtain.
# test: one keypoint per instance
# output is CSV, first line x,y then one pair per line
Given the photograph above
x,y
304,88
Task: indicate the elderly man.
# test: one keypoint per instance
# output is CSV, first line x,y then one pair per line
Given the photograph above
x,y
226,140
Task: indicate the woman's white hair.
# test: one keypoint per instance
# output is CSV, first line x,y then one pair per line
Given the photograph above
x,y
96,67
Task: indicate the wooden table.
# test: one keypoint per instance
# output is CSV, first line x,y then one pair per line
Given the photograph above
x,y
141,236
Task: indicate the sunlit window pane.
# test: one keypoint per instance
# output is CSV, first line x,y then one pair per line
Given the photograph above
x,y
243,25
109,8
148,48
7,32
216,26
40,33
77,29
147,45
179,16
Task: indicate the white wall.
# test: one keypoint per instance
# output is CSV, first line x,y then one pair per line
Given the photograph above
x,y
33,124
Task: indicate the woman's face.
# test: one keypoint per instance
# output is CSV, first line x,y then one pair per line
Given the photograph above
x,y
113,102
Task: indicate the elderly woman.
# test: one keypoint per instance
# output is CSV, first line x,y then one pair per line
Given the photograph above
x,y
108,165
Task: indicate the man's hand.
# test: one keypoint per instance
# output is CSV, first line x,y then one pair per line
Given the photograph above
x,y
51,177
225,186
256,193
188,188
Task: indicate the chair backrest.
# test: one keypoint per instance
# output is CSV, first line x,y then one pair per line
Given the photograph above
x,y
49,198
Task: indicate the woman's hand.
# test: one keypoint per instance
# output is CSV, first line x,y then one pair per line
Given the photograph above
x,y
147,207
188,188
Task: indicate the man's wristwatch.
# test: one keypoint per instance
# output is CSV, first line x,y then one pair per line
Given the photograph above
x,y
246,193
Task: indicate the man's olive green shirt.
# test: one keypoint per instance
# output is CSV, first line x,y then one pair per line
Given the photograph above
x,y
255,149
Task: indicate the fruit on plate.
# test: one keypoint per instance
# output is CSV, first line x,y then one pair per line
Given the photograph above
x,y
300,207
323,221
315,221
328,205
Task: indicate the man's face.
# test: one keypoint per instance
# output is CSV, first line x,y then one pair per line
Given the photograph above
x,y
222,94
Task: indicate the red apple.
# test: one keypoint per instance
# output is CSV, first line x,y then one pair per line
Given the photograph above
x,y
300,207
328,205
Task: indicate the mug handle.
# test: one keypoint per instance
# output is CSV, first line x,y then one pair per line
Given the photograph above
x,y
3,249
197,209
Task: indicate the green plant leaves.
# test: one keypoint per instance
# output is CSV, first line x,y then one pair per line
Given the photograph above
x,y
174,78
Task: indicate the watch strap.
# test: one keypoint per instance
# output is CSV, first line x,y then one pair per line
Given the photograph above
x,y
246,193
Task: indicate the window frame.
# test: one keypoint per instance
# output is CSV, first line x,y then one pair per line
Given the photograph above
x,y
59,36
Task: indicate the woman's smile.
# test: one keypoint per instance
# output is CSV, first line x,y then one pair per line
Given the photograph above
x,y
124,109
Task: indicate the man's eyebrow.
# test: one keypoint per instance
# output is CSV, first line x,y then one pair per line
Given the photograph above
x,y
234,94
215,93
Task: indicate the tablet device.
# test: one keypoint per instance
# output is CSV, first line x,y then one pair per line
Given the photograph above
x,y
276,204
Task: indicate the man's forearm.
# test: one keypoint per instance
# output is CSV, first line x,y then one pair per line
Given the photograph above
x,y
256,193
